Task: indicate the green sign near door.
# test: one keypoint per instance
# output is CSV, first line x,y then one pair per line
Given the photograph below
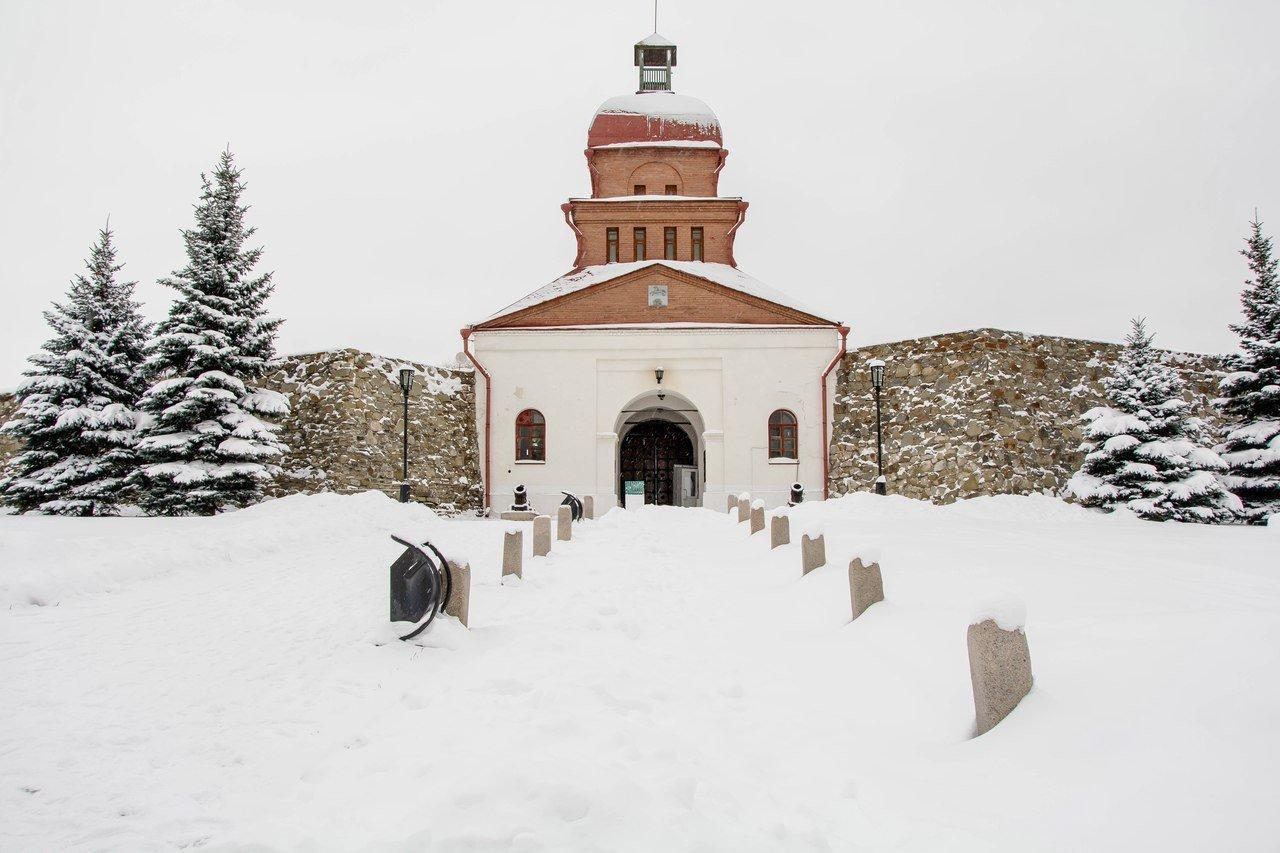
x,y
633,487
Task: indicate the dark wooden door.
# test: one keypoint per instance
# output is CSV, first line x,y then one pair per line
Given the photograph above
x,y
650,452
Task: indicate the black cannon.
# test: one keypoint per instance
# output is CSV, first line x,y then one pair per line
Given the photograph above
x,y
522,499
574,505
797,494
421,584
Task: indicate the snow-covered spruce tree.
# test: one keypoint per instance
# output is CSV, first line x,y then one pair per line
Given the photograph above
x,y
76,408
204,447
1144,451
1251,391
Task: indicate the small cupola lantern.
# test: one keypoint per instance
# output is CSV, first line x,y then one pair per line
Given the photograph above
x,y
655,57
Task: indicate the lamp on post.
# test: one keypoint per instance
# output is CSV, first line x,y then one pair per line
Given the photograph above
x,y
877,382
406,385
658,374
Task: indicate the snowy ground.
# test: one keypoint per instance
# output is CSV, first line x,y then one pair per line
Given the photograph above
x,y
663,682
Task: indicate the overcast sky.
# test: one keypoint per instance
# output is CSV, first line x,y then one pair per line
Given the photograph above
x,y
912,168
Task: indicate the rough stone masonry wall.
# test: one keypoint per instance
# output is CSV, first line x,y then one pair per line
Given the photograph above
x,y
980,412
9,446
344,429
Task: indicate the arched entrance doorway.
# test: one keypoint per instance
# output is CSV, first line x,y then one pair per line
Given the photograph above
x,y
650,451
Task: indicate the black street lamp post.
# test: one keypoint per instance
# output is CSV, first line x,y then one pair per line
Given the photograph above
x,y
406,385
877,382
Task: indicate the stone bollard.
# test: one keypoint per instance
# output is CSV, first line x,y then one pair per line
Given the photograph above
x,y
757,517
866,586
813,549
589,507
733,504
564,523
999,662
744,507
779,530
459,603
542,536
513,553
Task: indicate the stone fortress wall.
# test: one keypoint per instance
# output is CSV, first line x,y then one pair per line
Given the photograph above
x,y
965,414
980,412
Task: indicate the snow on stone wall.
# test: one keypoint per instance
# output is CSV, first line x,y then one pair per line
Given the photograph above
x,y
9,446
979,412
344,430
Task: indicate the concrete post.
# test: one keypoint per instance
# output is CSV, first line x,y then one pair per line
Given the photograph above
x,y
757,517
542,536
813,550
779,531
866,586
589,507
513,553
459,603
744,507
1000,668
564,523
733,504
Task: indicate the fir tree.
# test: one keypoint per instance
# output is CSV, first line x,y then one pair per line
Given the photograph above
x,y
76,413
1251,391
205,448
1144,451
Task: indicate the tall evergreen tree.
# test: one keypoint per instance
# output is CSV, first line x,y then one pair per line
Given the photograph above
x,y
76,413
1144,451
205,448
1251,391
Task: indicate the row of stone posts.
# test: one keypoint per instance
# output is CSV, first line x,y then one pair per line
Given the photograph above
x,y
513,539
999,658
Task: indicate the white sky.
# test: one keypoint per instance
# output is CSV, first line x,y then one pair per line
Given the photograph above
x,y
913,169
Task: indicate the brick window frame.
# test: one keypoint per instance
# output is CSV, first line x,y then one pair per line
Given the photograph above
x,y
696,244
669,243
611,245
640,248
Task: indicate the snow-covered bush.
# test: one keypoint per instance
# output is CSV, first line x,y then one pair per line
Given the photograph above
x,y
76,413
1251,391
205,446
1144,451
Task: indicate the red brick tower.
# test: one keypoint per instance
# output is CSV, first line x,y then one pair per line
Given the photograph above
x,y
655,159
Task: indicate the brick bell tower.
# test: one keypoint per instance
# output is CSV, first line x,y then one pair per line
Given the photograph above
x,y
655,158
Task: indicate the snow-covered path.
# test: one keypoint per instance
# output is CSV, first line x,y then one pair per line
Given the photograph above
x,y
662,682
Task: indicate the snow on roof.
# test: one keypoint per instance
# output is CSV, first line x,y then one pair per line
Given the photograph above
x,y
664,143
655,197
656,40
661,104
721,274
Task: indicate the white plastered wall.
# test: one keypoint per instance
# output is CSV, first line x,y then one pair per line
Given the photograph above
x,y
581,379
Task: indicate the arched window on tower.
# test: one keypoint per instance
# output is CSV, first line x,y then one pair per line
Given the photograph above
x,y
784,442
531,436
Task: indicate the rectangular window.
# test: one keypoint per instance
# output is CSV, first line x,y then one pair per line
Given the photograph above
x,y
695,243
639,189
638,236
672,189
670,238
611,246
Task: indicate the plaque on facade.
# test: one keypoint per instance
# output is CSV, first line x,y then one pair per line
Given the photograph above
x,y
657,296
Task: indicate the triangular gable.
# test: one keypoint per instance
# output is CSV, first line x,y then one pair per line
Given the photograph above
x,y
620,294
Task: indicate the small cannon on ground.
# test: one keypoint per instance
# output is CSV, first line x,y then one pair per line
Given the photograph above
x,y
574,505
797,494
522,499
421,585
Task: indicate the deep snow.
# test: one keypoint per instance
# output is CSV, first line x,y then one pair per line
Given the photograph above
x,y
662,682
